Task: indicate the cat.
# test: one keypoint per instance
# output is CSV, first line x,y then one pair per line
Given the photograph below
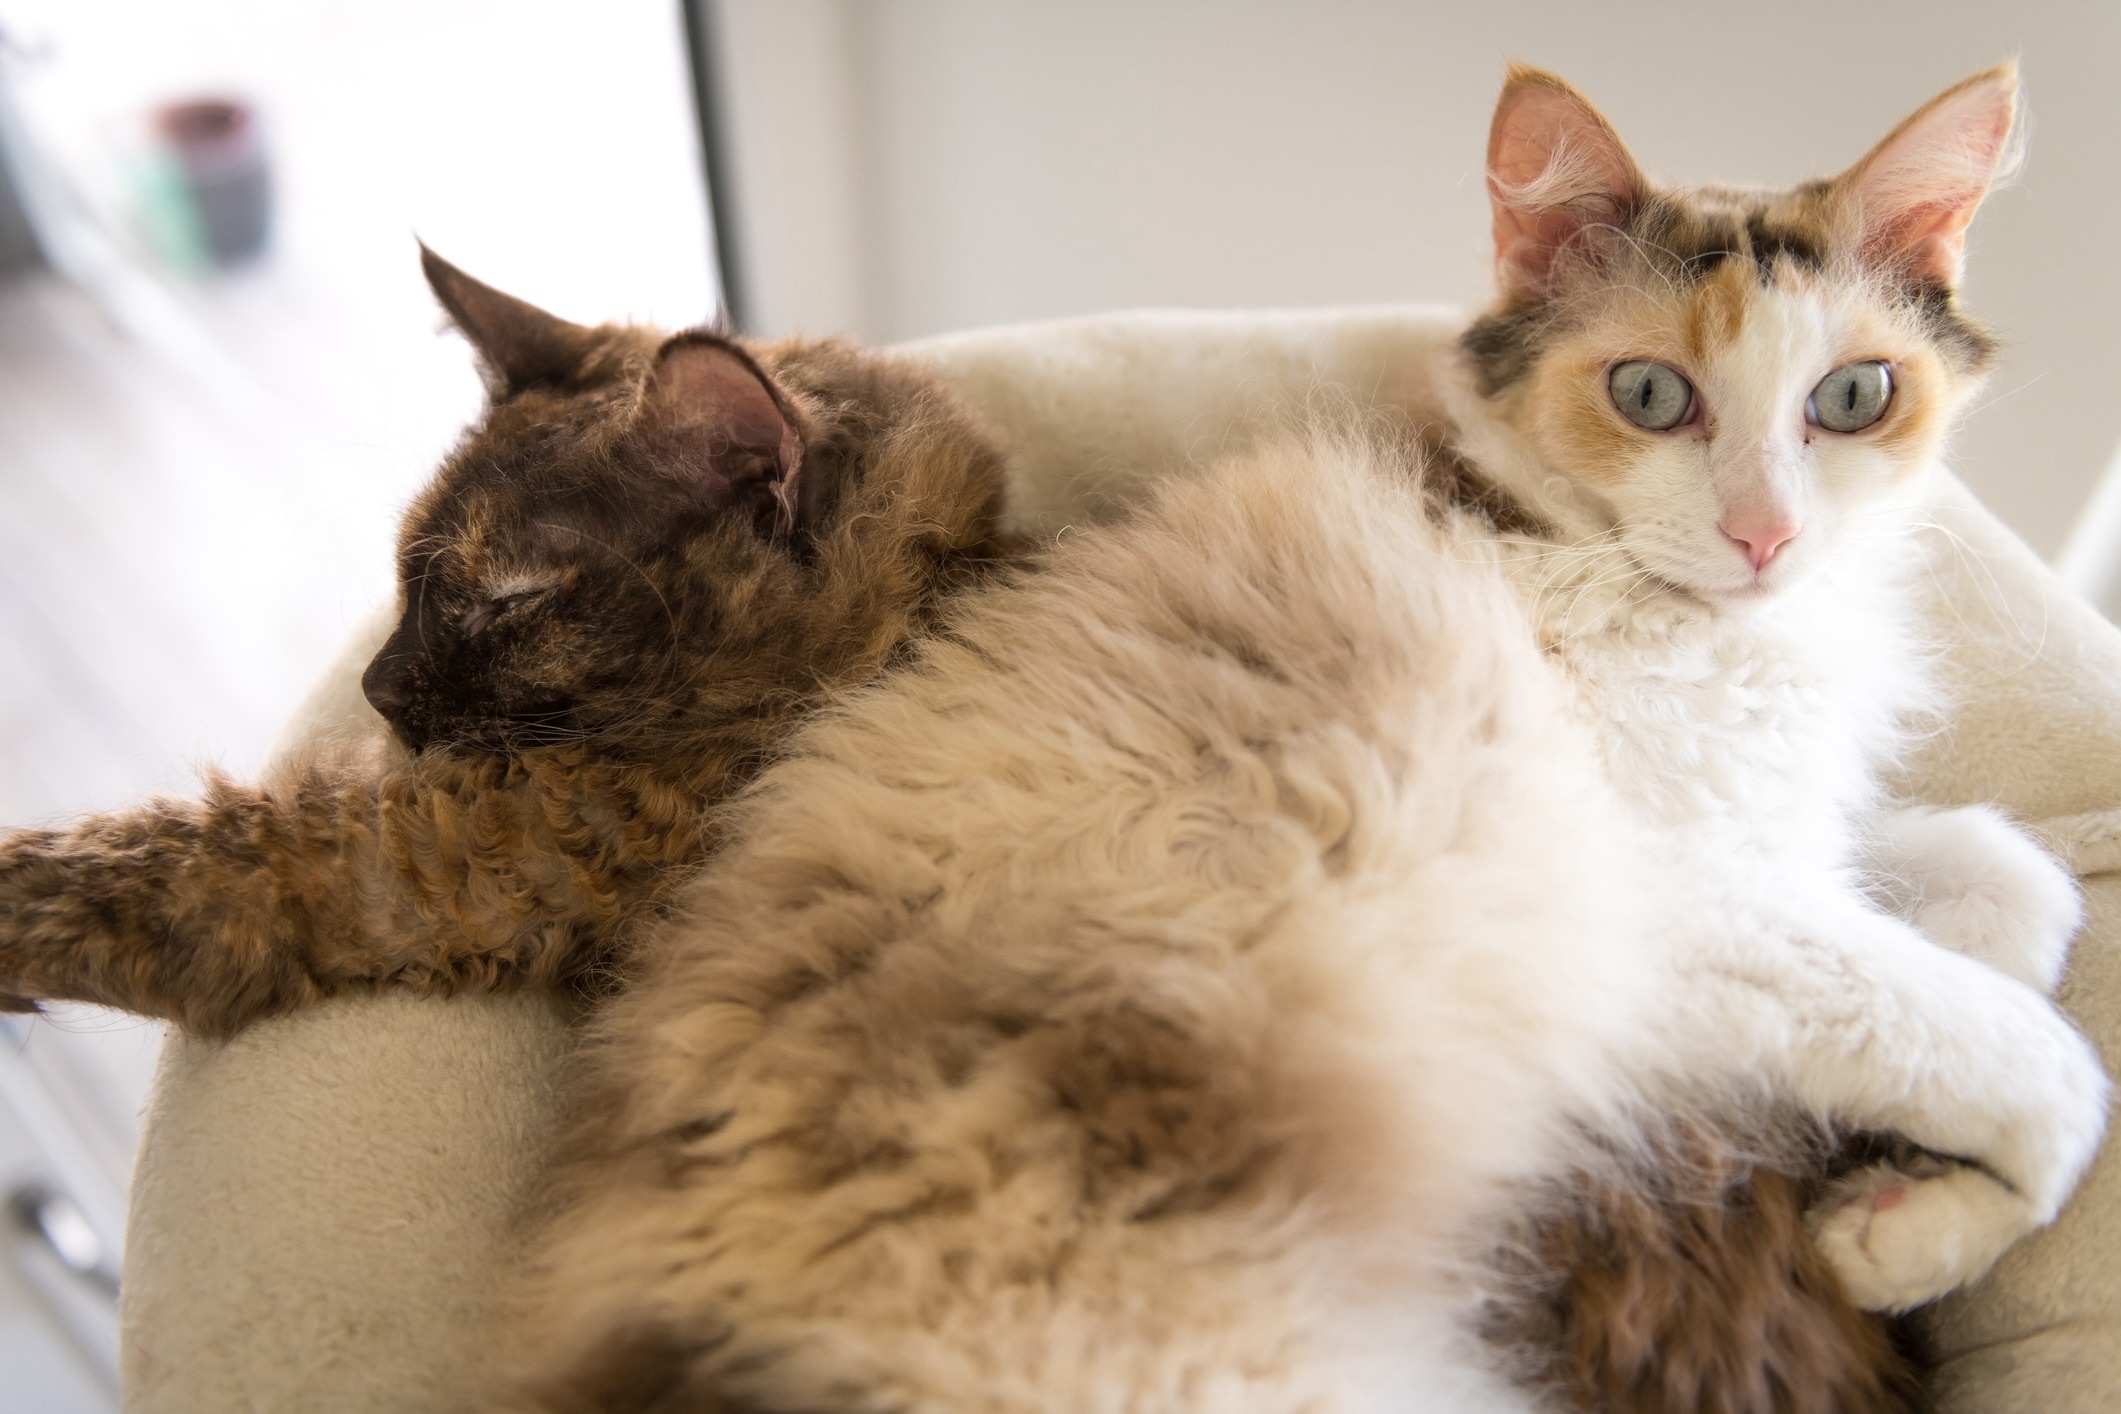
x,y
1173,986
1752,326
620,592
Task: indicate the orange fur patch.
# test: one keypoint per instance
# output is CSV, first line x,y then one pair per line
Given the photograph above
x,y
1912,430
1578,424
1714,315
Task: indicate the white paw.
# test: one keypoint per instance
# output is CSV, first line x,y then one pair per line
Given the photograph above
x,y
1971,881
1898,1240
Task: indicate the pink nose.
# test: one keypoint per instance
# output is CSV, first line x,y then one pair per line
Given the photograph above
x,y
1760,536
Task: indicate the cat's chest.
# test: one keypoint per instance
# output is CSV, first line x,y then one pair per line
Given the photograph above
x,y
1756,731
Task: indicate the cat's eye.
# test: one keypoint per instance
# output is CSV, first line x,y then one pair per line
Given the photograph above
x,y
1852,397
479,617
1651,395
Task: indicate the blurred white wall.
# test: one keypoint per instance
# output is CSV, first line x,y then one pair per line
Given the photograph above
x,y
908,167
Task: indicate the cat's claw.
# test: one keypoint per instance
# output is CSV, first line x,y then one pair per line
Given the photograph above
x,y
1898,1241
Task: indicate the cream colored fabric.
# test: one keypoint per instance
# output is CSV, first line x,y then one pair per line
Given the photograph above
x,y
318,1203
2038,729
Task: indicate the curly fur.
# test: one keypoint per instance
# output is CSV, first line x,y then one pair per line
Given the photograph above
x,y
716,582
1071,1022
1675,1274
576,739
1137,1002
1692,1277
795,1141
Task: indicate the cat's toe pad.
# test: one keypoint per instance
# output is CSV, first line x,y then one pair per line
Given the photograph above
x,y
1898,1241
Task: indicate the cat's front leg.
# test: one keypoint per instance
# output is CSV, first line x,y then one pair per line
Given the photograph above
x,y
1971,881
440,875
1899,1234
170,910
1873,1027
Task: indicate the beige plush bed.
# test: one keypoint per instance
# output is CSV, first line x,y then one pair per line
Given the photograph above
x,y
317,1203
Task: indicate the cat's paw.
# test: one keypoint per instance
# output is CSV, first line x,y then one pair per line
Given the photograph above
x,y
1971,881
1899,1239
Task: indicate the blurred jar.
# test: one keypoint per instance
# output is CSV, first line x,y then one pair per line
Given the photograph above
x,y
208,189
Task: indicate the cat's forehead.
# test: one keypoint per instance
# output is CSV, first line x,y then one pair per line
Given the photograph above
x,y
1750,283
524,469
1752,273
1689,233
485,531
1680,276
1737,315
1732,327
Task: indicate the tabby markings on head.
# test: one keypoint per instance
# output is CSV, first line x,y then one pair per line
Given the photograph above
x,y
1719,383
1712,251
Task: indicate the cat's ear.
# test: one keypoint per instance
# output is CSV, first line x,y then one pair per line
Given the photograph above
x,y
520,346
1913,195
735,427
1556,169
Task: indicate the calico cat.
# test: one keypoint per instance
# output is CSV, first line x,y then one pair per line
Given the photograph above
x,y
1173,987
621,591
1719,402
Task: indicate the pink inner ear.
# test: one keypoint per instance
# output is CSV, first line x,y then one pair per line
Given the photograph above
x,y
701,384
1554,167
1917,192
713,397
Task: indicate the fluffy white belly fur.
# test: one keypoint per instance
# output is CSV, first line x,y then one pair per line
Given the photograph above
x,y
1151,998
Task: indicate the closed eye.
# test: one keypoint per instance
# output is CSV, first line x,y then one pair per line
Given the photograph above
x,y
480,617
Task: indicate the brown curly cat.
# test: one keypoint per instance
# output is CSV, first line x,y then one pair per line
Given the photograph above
x,y
621,590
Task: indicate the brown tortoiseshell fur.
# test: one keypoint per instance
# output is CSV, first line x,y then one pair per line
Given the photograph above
x,y
1682,1279
671,645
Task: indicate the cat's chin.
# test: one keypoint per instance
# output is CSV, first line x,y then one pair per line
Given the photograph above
x,y
1730,592
1753,592
1725,583
1756,597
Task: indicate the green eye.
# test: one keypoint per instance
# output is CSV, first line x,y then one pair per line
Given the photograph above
x,y
1651,395
1852,397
